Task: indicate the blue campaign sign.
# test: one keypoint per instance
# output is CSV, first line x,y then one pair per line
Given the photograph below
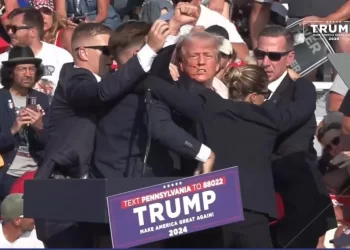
x,y
175,208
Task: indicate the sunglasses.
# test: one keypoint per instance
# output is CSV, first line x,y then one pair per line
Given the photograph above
x,y
15,28
334,142
104,49
266,94
273,56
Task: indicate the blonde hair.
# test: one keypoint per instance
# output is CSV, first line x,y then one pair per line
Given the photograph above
x,y
57,24
245,80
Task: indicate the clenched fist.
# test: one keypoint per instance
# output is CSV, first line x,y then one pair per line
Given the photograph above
x,y
186,13
157,35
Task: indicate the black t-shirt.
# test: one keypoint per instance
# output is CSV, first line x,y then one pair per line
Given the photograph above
x,y
345,106
321,8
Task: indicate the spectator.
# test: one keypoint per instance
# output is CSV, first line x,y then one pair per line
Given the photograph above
x,y
21,146
337,93
18,186
15,230
54,27
152,9
80,11
224,7
227,55
27,29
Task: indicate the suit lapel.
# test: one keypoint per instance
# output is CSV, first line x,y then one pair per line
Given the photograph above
x,y
276,96
8,102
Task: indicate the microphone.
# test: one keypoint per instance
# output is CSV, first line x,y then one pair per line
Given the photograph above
x,y
148,101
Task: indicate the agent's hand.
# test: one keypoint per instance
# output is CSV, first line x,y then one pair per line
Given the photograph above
x,y
157,35
206,167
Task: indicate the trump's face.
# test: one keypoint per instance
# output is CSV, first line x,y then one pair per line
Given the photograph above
x,y
200,60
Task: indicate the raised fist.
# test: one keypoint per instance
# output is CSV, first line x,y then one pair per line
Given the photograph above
x,y
186,13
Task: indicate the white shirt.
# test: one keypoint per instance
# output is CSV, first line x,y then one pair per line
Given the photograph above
x,y
53,58
27,240
220,88
208,18
274,85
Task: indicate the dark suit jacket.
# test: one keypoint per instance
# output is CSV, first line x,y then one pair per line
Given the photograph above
x,y
8,142
76,101
240,134
121,138
297,177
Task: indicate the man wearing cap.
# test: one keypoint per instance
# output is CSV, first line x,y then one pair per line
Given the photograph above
x,y
15,230
22,134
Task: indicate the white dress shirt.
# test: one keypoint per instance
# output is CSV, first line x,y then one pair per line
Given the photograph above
x,y
220,88
274,85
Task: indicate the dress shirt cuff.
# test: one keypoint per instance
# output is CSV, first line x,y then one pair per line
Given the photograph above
x,y
146,57
171,40
204,153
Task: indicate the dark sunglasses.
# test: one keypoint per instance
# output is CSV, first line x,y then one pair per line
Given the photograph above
x,y
15,28
104,49
273,56
266,94
334,142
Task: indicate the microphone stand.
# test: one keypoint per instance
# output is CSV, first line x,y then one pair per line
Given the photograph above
x,y
148,101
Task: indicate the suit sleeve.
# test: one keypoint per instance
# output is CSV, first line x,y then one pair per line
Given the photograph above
x,y
6,139
173,137
299,111
86,93
83,92
161,63
186,103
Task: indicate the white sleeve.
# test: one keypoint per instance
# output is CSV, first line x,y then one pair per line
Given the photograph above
x,y
146,57
204,153
171,40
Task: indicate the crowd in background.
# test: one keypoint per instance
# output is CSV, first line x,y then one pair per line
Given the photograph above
x,y
74,78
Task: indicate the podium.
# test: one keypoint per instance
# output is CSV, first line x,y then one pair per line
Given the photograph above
x,y
80,200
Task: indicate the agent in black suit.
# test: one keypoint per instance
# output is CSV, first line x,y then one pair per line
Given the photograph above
x,y
241,135
22,133
121,135
295,161
81,93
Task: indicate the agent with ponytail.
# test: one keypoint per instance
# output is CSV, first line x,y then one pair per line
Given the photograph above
x,y
247,83
241,134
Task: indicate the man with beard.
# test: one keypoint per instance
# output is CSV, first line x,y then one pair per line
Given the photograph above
x,y
22,137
